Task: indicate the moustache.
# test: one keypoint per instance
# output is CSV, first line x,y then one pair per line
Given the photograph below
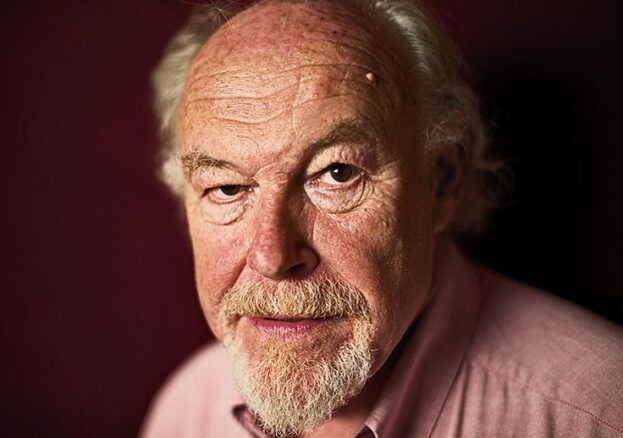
x,y
306,299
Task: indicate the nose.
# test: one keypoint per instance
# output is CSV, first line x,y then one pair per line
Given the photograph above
x,y
278,249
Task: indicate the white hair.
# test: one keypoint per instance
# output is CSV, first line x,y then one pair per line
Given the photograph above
x,y
449,110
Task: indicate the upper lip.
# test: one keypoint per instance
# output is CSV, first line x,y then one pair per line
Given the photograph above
x,y
291,317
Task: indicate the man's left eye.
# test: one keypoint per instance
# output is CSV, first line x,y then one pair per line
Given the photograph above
x,y
338,173
229,190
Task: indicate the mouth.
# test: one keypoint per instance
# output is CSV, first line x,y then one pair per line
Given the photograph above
x,y
287,325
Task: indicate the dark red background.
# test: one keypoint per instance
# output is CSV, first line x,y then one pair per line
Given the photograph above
x,y
97,295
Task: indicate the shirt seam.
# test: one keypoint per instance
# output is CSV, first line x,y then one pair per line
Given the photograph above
x,y
544,394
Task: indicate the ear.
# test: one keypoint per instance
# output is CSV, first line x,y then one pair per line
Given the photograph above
x,y
448,169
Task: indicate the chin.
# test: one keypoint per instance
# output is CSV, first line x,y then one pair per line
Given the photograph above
x,y
295,382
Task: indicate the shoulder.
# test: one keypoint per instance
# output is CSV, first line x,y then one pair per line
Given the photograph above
x,y
521,321
199,390
543,348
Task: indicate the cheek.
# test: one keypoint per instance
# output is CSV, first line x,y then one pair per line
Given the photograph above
x,y
219,256
387,254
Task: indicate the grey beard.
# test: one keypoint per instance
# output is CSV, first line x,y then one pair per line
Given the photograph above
x,y
290,392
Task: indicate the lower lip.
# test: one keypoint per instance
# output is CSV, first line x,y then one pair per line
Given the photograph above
x,y
283,327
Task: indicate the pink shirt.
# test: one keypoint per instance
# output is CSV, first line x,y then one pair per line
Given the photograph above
x,y
490,357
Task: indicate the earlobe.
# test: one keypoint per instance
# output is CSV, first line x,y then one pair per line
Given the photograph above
x,y
448,176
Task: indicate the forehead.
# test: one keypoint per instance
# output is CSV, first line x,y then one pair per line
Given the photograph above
x,y
280,56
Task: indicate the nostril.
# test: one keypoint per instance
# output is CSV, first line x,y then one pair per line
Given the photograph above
x,y
297,268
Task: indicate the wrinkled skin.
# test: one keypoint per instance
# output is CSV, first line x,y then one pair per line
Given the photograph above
x,y
271,102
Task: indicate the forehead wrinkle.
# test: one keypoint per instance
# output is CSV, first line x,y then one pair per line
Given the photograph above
x,y
257,121
251,109
260,71
234,103
206,96
369,102
246,122
345,131
252,84
242,120
224,79
349,129
354,60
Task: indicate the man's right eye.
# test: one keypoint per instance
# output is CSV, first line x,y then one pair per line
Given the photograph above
x,y
338,174
226,193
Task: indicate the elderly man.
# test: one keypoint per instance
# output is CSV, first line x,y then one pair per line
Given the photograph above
x,y
326,153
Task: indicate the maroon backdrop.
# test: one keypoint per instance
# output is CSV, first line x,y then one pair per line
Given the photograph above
x,y
97,301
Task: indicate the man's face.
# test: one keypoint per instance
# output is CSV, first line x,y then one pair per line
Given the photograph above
x,y
298,132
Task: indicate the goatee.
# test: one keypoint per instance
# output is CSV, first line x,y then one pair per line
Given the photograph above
x,y
290,390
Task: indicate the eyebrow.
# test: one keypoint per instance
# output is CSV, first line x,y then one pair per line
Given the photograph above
x,y
346,131
197,160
